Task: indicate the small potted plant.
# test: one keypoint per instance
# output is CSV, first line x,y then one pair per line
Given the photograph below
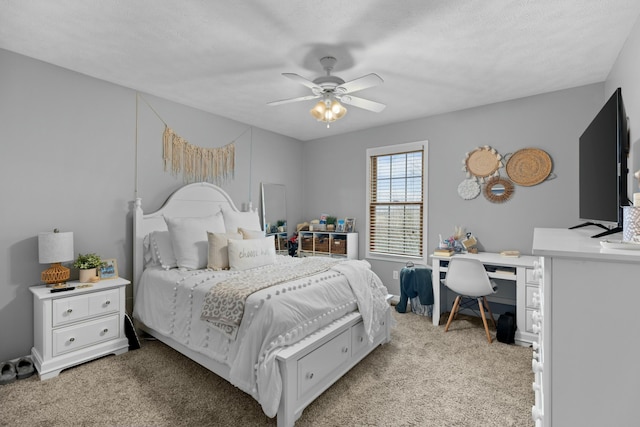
x,y
282,225
87,265
331,223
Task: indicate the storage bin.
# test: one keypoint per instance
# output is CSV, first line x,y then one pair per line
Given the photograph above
x,y
322,244
307,243
339,246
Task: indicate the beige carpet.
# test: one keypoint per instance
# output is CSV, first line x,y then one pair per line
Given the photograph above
x,y
424,377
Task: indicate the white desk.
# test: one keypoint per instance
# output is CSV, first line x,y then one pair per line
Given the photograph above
x,y
527,287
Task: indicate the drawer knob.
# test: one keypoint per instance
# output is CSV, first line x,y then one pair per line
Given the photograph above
x,y
105,330
536,366
69,310
536,316
361,339
536,413
72,339
310,375
107,302
345,349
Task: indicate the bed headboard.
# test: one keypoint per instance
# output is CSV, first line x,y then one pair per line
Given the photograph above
x,y
193,200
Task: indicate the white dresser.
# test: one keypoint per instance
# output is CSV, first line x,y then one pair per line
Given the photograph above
x,y
586,360
75,326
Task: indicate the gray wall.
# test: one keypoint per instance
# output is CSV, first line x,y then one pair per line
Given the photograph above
x,y
69,161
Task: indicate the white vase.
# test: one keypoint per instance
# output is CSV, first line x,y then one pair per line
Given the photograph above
x,y
87,274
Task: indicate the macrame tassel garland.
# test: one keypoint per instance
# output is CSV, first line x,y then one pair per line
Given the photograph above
x,y
197,163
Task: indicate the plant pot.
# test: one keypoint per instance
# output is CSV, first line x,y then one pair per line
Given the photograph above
x,y
87,274
331,227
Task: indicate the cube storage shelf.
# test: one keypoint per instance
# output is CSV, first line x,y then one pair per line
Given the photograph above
x,y
328,243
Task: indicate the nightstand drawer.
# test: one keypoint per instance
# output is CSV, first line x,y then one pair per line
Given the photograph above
x,y
71,309
104,302
67,310
86,334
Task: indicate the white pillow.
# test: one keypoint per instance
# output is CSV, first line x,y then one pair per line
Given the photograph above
x,y
218,253
189,239
234,220
251,253
251,234
162,249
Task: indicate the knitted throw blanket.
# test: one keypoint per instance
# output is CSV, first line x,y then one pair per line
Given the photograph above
x,y
223,305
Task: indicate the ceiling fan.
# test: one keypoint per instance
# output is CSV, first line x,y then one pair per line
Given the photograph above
x,y
333,90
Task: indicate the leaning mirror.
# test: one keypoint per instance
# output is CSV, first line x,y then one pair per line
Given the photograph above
x,y
274,208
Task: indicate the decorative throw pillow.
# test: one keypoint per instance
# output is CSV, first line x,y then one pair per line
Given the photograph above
x,y
189,239
234,220
218,249
162,249
251,234
251,253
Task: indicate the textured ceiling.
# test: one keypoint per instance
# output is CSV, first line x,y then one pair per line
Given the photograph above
x,y
226,57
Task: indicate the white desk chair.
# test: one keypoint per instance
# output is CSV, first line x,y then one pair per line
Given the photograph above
x,y
468,278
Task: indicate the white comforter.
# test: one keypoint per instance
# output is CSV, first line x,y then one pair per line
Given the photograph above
x,y
170,302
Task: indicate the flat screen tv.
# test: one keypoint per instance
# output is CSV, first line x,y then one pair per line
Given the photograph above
x,y
603,152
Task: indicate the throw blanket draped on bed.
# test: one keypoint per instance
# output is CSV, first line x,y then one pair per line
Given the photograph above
x,y
223,305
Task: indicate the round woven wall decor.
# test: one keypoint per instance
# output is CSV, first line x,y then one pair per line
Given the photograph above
x,y
494,193
483,162
469,189
529,166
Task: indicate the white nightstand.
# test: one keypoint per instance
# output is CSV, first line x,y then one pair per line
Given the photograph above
x,y
73,327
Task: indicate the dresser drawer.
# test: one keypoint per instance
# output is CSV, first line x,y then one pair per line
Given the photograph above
x,y
67,310
85,334
318,364
531,301
532,276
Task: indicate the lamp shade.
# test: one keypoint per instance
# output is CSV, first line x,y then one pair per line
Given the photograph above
x,y
55,247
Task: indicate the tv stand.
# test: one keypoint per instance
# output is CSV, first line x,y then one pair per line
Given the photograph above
x,y
607,231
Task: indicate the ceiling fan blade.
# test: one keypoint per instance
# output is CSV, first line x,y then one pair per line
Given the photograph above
x,y
287,101
362,103
360,83
302,80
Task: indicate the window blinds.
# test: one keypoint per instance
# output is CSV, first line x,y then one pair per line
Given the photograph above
x,y
396,207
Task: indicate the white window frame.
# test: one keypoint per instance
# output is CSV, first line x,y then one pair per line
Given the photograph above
x,y
390,150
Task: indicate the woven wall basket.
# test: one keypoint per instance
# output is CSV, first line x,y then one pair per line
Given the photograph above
x,y
483,162
529,166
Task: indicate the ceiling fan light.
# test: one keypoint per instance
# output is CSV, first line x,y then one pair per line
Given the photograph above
x,y
329,116
338,110
318,111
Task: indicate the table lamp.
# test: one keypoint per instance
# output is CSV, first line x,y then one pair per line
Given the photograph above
x,y
55,248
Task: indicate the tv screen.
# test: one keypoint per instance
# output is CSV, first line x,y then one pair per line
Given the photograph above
x,y
604,148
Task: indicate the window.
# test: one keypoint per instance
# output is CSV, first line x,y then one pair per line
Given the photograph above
x,y
396,200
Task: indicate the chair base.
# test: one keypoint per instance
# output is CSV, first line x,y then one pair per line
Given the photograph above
x,y
483,305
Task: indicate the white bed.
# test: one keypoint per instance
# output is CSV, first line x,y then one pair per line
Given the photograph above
x,y
296,338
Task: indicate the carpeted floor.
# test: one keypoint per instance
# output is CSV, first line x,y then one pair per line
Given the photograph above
x,y
424,377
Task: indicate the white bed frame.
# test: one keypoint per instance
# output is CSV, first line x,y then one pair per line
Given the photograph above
x,y
308,367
